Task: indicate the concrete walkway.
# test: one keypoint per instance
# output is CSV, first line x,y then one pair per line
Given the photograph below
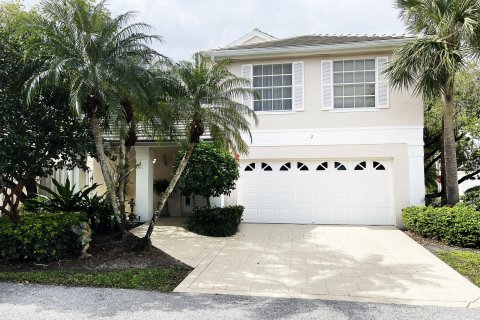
x,y
18,302
171,238
372,264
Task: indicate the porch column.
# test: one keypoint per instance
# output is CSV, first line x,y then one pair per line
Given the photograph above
x,y
144,184
74,177
416,175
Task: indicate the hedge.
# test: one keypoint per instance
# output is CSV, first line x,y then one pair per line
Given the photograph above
x,y
472,197
215,222
40,236
458,225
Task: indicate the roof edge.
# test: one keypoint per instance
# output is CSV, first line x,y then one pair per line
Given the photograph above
x,y
363,46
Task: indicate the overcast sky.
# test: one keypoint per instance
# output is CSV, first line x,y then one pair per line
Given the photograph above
x,y
188,26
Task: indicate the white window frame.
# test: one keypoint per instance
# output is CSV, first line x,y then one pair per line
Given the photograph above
x,y
291,86
354,83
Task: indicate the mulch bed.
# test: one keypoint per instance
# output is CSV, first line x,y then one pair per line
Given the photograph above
x,y
436,245
107,255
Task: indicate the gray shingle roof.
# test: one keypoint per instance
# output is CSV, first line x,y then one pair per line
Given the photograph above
x,y
313,40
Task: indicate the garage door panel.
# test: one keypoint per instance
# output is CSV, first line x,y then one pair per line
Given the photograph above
x,y
266,214
267,199
324,196
286,198
266,182
250,213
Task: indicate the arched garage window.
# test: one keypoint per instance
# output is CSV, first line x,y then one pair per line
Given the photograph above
x,y
250,167
266,167
322,166
378,166
302,167
361,166
340,166
287,166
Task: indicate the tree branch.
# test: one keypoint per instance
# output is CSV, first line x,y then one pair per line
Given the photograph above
x,y
468,176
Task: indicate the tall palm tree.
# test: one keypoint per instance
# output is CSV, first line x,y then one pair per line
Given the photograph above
x,y
205,101
448,36
101,59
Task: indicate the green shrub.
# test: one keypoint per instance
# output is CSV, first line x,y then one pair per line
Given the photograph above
x,y
215,222
472,197
100,213
64,199
458,225
40,236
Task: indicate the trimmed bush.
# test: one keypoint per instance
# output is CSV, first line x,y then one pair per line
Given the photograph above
x,y
472,197
458,225
215,222
40,236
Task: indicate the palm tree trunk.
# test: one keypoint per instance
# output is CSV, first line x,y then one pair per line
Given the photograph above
x,y
171,186
102,159
450,148
122,160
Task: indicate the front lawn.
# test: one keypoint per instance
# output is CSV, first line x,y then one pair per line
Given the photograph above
x,y
109,266
467,263
160,279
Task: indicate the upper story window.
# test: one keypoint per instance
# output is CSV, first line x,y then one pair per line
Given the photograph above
x,y
273,83
354,83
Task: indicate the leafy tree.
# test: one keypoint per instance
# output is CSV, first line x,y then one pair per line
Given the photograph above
x,y
35,139
448,35
205,103
210,172
101,59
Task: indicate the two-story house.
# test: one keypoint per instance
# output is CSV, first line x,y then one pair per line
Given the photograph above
x,y
335,145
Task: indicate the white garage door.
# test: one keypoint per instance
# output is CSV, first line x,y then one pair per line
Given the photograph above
x,y
321,192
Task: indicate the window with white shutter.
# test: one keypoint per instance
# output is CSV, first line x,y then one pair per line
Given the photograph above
x,y
298,86
383,99
274,86
247,73
327,84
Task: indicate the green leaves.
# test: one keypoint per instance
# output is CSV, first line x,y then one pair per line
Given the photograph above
x,y
40,236
210,171
458,225
447,37
64,199
215,222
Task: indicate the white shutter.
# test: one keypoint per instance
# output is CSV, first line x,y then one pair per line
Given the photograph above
x,y
247,73
298,86
382,99
327,84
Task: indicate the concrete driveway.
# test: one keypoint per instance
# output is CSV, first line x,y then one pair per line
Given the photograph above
x,y
373,264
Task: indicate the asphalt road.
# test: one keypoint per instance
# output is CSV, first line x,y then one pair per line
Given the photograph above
x,y
39,302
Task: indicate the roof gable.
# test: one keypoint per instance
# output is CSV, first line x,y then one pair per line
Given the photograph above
x,y
253,37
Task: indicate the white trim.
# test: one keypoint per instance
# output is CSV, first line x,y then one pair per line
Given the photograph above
x,y
276,112
252,34
346,110
412,136
416,175
357,47
144,184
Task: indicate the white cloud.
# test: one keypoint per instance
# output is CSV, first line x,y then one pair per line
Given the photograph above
x,y
188,26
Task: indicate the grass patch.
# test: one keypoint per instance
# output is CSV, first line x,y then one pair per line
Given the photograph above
x,y
159,279
466,263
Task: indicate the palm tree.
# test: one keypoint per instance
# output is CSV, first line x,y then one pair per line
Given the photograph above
x,y
448,36
102,62
205,100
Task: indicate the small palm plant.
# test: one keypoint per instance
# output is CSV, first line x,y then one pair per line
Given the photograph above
x,y
448,37
64,199
206,102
